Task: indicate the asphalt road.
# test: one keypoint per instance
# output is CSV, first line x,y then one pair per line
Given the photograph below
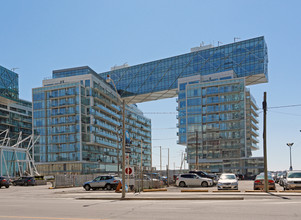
x,y
41,203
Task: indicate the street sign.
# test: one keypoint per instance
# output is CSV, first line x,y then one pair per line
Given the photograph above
x,y
129,170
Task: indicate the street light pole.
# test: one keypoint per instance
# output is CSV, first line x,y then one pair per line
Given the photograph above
x,y
264,107
123,136
123,150
141,166
290,146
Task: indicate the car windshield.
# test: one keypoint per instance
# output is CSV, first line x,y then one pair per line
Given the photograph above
x,y
294,175
228,177
261,177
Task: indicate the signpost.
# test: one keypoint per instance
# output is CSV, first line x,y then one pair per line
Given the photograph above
x,y
129,171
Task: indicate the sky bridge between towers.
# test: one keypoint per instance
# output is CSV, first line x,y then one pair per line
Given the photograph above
x,y
159,79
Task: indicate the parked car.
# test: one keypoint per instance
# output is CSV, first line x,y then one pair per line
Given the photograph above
x,y
278,176
282,178
24,181
240,176
259,182
192,179
205,175
158,177
105,182
4,182
293,180
227,181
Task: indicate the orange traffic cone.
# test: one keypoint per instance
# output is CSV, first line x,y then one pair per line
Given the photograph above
x,y
118,187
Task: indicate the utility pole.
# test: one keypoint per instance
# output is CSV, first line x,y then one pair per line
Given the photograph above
x,y
196,150
141,167
264,107
160,158
182,160
290,146
168,169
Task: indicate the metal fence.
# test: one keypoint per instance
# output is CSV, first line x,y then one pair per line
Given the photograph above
x,y
79,180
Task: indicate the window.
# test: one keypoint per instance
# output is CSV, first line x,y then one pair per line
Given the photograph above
x,y
87,83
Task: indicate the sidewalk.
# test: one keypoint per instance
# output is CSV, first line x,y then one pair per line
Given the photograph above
x,y
184,195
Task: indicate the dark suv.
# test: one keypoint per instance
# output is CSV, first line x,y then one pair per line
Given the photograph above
x,y
205,175
24,181
4,182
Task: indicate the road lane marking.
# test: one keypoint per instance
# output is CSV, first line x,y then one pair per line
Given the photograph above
x,y
49,218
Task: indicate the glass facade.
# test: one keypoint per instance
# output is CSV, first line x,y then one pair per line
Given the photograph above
x,y
9,83
16,116
16,119
218,124
12,161
78,118
72,72
77,113
246,58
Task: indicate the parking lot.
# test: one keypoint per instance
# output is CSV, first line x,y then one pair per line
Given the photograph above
x,y
43,203
243,185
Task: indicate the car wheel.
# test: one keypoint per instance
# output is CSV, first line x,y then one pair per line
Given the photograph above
x,y
182,184
108,187
204,184
7,186
87,187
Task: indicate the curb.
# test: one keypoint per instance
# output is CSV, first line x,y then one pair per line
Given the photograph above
x,y
260,191
62,187
176,198
290,191
225,191
154,190
194,190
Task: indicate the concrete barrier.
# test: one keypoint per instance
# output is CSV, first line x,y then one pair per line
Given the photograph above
x,y
248,191
290,191
154,190
194,190
226,190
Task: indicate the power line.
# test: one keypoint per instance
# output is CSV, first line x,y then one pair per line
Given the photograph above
x,y
273,107
164,128
160,113
285,106
164,139
285,113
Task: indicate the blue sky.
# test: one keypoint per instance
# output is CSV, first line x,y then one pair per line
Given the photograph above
x,y
40,36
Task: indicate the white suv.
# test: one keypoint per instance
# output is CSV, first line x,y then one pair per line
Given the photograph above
x,y
191,179
292,180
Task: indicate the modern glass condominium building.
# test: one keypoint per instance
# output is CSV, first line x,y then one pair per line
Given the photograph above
x,y
159,79
15,124
78,117
15,113
218,124
216,111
